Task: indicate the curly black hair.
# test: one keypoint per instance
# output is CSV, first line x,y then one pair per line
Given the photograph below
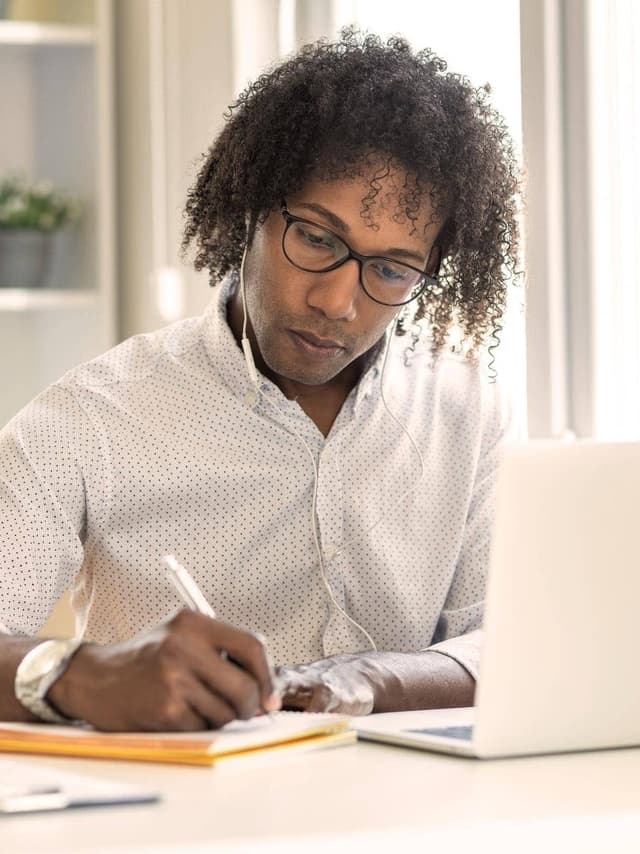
x,y
323,112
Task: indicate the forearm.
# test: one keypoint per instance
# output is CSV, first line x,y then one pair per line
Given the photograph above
x,y
422,680
12,651
377,682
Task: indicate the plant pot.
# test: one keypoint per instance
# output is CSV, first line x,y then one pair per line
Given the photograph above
x,y
25,257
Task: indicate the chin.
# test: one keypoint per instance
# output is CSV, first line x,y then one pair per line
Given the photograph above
x,y
308,379
293,373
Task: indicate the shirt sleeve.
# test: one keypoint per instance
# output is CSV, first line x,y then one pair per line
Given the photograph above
x,y
42,507
458,632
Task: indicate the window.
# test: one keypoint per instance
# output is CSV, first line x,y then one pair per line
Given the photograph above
x,y
614,124
581,138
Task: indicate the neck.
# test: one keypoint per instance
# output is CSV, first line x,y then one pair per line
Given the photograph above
x,y
322,403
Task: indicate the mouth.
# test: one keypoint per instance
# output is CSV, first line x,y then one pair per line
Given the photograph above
x,y
314,345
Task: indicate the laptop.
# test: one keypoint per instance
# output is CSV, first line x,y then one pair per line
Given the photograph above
x,y
560,664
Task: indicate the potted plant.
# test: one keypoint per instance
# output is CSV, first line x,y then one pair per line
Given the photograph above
x,y
30,215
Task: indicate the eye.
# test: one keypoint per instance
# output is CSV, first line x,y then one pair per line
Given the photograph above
x,y
314,237
390,272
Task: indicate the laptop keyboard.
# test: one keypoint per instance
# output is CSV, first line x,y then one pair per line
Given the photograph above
x,y
462,732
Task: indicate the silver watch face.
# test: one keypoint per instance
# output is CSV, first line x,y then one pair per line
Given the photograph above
x,y
47,658
37,672
41,667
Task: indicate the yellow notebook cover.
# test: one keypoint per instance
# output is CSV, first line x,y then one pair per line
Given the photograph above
x,y
240,738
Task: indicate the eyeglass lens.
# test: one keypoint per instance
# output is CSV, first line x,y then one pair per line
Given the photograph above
x,y
316,249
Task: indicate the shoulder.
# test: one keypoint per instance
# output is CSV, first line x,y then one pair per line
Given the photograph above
x,y
452,380
468,388
452,394
136,359
60,411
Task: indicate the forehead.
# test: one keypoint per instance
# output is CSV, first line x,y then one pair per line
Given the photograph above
x,y
381,198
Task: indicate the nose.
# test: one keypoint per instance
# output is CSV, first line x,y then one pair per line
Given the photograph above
x,y
335,293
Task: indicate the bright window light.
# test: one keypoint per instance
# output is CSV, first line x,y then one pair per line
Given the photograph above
x,y
615,175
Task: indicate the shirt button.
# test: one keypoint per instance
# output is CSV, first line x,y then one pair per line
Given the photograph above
x,y
250,398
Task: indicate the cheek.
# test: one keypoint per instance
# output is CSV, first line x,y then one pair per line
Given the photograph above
x,y
262,275
375,323
278,296
281,293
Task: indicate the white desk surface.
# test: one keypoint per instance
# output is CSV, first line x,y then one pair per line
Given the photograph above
x,y
363,797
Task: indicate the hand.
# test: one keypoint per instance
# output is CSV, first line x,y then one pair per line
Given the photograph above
x,y
341,684
175,677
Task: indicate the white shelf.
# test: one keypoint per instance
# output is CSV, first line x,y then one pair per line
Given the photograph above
x,y
33,299
31,33
56,84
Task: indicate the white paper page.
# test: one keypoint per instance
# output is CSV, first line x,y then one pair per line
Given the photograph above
x,y
20,777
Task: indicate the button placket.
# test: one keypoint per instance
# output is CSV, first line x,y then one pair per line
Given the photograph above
x,y
330,515
329,503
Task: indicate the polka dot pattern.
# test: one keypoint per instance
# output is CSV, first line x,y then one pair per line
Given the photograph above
x,y
162,446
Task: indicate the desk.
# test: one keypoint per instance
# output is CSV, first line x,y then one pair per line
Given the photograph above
x,y
364,797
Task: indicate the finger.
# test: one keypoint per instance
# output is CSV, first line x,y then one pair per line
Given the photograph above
x,y
249,655
213,709
297,700
299,704
174,715
322,699
227,680
295,687
296,697
250,651
190,643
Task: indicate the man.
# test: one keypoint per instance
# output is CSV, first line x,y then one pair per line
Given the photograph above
x,y
327,481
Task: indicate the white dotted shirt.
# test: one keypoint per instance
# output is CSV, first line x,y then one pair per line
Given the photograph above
x,y
162,446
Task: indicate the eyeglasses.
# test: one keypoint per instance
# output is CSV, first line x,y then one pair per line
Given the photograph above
x,y
315,249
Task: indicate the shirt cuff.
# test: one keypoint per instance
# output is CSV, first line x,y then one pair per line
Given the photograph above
x,y
464,649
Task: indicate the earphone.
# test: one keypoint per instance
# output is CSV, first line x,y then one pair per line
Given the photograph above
x,y
253,374
246,344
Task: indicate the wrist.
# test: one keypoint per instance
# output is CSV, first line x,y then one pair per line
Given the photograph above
x,y
387,687
68,692
386,684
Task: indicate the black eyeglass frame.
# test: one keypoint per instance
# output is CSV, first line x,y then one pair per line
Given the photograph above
x,y
428,279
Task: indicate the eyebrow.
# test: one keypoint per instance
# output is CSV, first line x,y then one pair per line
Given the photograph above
x,y
340,225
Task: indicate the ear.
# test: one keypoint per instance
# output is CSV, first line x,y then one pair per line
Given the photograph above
x,y
434,260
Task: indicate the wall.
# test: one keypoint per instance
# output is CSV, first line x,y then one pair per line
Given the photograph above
x,y
173,74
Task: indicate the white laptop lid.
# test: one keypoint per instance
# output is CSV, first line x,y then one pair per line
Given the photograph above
x,y
560,664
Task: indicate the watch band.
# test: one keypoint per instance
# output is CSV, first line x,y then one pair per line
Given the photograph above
x,y
37,672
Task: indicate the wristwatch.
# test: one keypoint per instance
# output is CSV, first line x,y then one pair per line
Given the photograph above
x,y
37,672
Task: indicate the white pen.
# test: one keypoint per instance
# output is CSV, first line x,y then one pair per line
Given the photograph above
x,y
190,593
186,587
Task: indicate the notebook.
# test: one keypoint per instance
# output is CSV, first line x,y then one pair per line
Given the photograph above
x,y
559,667
278,732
